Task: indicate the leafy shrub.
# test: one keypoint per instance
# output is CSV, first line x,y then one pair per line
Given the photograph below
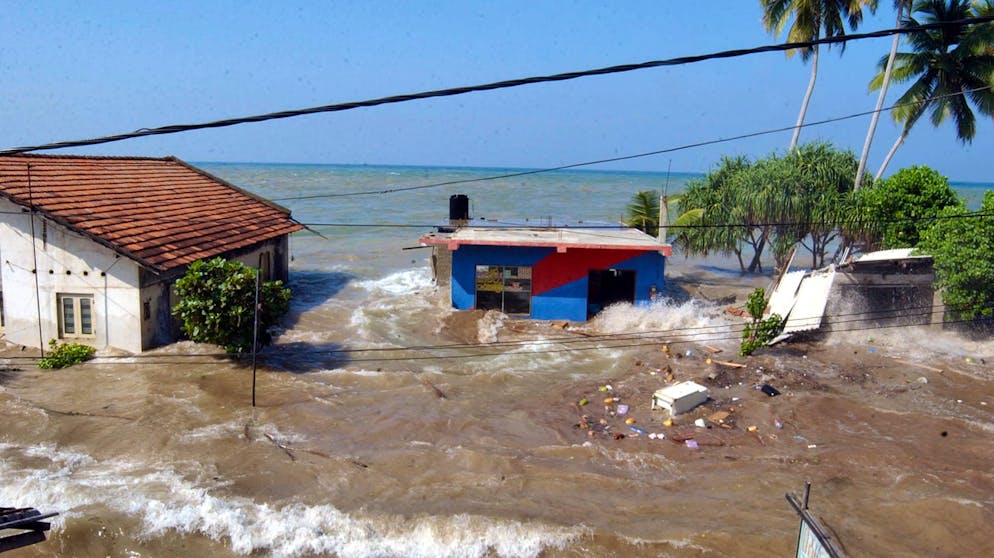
x,y
899,209
962,245
217,300
759,332
65,354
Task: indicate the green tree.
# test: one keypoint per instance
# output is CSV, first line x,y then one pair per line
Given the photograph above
x,y
643,212
951,67
706,208
899,209
811,20
962,244
773,203
217,302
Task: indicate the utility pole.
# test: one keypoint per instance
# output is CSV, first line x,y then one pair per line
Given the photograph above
x,y
255,326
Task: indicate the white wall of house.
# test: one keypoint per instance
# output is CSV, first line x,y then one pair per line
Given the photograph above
x,y
71,266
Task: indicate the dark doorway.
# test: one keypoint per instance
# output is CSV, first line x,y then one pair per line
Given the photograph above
x,y
608,286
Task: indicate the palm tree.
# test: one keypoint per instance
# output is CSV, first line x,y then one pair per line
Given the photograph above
x,y
810,19
643,212
899,7
952,67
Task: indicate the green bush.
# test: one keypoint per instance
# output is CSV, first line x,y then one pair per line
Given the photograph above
x,y
216,302
962,244
64,355
759,332
898,210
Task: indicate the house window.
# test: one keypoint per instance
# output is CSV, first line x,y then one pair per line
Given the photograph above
x,y
504,288
75,315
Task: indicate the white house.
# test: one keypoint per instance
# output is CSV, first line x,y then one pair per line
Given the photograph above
x,y
90,246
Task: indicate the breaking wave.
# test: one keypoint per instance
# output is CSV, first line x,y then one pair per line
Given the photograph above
x,y
401,283
169,502
691,320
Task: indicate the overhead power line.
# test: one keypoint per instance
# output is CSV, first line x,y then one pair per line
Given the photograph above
x,y
626,157
607,228
177,128
857,321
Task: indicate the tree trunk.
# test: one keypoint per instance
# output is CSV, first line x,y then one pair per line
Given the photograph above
x,y
880,103
759,246
807,99
890,155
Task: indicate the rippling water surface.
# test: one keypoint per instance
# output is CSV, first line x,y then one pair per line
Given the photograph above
x,y
387,425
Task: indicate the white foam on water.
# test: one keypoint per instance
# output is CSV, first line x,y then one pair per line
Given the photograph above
x,y
400,283
489,326
213,432
166,501
532,356
237,429
917,342
691,320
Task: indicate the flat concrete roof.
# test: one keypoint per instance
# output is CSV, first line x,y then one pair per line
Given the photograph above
x,y
562,239
892,254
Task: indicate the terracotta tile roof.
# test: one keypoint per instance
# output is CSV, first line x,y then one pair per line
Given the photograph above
x,y
162,213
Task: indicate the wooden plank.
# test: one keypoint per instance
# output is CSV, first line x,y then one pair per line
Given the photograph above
x,y
15,518
21,539
729,364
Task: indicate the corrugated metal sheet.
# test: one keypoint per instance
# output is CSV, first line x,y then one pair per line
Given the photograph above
x,y
782,298
809,308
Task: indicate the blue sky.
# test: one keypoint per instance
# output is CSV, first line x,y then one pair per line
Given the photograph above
x,y
72,70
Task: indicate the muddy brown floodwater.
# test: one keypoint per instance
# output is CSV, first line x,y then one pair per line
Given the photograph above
x,y
164,456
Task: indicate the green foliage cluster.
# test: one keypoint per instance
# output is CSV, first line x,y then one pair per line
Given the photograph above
x,y
759,332
643,212
65,354
962,245
950,68
216,304
772,203
896,211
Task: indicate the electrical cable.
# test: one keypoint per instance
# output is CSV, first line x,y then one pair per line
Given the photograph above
x,y
178,128
699,334
485,224
626,157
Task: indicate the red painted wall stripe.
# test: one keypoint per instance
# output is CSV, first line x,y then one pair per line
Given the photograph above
x,y
558,269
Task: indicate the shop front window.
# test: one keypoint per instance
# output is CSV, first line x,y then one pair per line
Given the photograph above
x,y
504,288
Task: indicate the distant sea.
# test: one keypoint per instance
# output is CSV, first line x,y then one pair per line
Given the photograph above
x,y
379,210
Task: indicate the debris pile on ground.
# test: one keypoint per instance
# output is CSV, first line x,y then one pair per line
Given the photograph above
x,y
681,396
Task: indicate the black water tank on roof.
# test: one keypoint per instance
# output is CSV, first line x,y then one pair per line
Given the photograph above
x,y
459,207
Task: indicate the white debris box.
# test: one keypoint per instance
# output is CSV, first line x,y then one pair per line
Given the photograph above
x,y
680,398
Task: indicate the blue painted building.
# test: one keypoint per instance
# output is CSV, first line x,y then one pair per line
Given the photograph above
x,y
562,273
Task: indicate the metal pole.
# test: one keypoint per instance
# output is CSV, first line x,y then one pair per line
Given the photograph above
x,y
807,493
255,325
34,258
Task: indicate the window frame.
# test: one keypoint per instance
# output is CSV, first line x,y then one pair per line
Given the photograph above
x,y
517,282
77,308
